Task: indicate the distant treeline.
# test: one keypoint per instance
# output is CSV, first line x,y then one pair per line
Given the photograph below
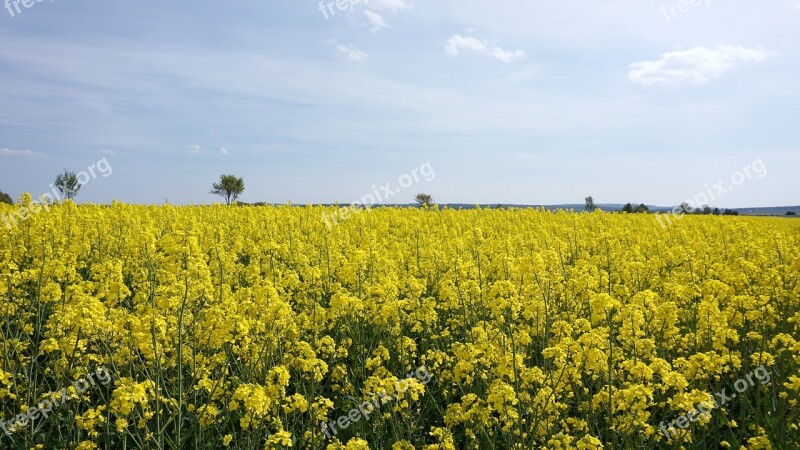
x,y
685,208
629,208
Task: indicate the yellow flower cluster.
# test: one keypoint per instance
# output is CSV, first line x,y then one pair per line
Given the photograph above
x,y
248,327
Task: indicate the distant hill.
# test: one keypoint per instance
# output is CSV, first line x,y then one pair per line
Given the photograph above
x,y
760,211
770,211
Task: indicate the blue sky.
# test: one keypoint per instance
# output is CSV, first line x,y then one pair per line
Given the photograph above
x,y
510,101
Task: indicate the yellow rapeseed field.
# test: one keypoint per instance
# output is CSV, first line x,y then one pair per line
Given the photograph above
x,y
260,327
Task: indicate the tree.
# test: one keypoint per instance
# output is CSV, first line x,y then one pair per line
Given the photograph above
x,y
424,200
628,208
590,206
791,213
229,187
642,208
67,183
5,198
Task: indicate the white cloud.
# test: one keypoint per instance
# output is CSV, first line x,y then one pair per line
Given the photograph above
x,y
698,65
375,19
19,153
391,5
529,157
457,43
506,55
375,10
196,149
353,54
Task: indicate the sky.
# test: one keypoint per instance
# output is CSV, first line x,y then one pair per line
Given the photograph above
x,y
503,101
